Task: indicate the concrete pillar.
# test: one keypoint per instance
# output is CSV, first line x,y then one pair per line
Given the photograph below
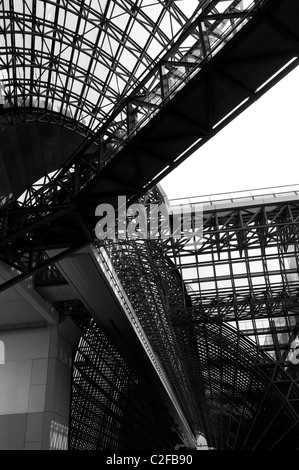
x,y
35,386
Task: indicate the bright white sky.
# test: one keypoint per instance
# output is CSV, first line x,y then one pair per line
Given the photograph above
x,y
258,149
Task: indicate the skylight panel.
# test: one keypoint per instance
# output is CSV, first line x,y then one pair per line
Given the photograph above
x,y
152,9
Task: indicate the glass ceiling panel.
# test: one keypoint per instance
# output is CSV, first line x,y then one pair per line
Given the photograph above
x,y
83,56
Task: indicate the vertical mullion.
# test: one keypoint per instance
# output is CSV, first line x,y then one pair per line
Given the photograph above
x,y
33,58
13,54
52,52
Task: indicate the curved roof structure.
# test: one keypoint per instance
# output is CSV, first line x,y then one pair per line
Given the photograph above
x,y
66,65
236,385
232,391
76,59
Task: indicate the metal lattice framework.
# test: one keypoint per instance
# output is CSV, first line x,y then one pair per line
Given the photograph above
x,y
78,58
149,297
193,39
201,44
82,66
227,376
226,309
126,113
245,268
110,408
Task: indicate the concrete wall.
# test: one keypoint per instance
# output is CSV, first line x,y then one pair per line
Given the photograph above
x,y
35,384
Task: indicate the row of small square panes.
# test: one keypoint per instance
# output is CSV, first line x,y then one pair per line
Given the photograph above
x,y
260,323
247,195
257,330
206,285
254,268
274,265
253,254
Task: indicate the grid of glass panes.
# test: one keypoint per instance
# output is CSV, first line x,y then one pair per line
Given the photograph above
x,y
79,58
231,276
